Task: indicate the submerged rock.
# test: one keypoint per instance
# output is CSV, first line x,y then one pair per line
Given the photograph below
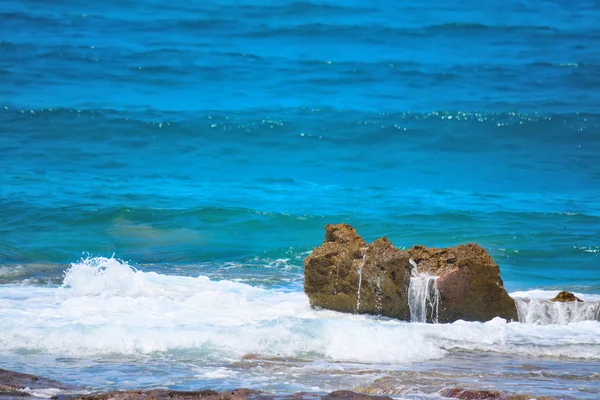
x,y
469,282
565,296
237,394
16,384
345,274
471,394
350,395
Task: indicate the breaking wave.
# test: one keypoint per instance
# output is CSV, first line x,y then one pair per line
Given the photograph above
x,y
105,306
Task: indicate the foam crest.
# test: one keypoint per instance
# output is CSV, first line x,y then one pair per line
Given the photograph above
x,y
105,307
100,275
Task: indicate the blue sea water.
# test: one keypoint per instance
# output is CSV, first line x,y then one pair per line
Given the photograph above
x,y
217,138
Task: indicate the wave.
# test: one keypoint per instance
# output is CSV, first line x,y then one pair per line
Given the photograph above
x,y
309,7
475,27
511,208
174,230
105,306
169,58
30,18
349,116
385,31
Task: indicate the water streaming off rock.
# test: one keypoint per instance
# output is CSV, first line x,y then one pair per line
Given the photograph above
x,y
360,282
423,297
546,312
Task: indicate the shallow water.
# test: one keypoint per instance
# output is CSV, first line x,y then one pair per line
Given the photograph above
x,y
208,143
110,326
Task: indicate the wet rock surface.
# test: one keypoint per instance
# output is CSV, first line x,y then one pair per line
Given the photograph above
x,y
469,282
14,385
345,274
405,387
237,394
18,385
469,394
564,297
458,393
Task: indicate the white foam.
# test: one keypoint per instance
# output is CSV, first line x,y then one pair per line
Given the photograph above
x,y
107,307
218,373
538,294
42,393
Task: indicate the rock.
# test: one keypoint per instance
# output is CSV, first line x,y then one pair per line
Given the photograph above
x,y
388,385
16,384
350,395
13,383
156,394
467,394
564,297
344,262
469,282
470,394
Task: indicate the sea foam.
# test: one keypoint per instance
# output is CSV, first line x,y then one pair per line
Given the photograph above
x,y
107,307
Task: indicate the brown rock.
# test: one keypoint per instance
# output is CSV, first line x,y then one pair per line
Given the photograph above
x,y
13,383
336,269
386,385
350,395
156,394
237,394
566,297
470,394
161,394
345,235
467,394
469,282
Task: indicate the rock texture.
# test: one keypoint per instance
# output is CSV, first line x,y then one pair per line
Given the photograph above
x,y
345,274
564,297
469,282
14,385
470,394
18,385
344,263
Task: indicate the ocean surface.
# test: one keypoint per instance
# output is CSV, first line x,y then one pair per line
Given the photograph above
x,y
166,166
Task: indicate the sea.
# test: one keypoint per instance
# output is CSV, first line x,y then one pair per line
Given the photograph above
x,y
166,167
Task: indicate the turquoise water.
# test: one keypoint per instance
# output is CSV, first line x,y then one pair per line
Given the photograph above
x,y
216,139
